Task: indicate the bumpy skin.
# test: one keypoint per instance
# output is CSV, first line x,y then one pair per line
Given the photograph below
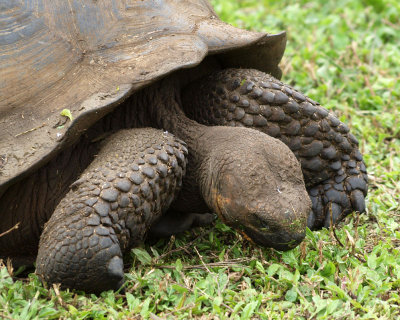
x,y
333,167
131,182
254,183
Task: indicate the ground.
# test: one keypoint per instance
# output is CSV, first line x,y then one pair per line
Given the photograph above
x,y
345,55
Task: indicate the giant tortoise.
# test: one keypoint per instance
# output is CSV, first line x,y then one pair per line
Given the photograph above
x,y
120,119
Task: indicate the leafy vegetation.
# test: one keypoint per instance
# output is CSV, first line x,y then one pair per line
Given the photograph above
x,y
344,54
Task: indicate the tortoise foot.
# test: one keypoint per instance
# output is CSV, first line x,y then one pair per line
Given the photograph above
x,y
109,209
174,222
333,200
89,260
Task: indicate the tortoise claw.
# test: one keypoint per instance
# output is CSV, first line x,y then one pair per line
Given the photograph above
x,y
311,220
336,199
357,200
115,270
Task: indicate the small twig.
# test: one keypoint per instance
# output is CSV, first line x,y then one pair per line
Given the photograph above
x,y
201,259
56,288
190,305
9,267
30,130
171,243
9,230
336,237
390,24
231,248
351,241
302,296
205,294
180,248
356,226
155,317
2,315
333,227
208,270
303,250
320,254
360,258
228,263
273,279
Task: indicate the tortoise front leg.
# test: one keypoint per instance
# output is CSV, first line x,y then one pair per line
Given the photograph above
x,y
332,165
109,209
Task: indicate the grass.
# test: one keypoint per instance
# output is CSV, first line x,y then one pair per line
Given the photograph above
x,y
345,55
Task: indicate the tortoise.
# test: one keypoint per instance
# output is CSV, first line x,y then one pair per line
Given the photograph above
x,y
124,119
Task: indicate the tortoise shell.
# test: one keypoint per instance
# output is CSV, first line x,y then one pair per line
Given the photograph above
x,y
89,56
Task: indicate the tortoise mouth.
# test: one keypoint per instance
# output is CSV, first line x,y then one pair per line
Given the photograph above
x,y
259,231
281,240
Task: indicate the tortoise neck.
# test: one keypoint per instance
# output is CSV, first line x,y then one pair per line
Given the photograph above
x,y
163,103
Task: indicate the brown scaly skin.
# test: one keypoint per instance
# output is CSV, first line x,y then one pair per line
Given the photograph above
x,y
252,181
132,181
333,168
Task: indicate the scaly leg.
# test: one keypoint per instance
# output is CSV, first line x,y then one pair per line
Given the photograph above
x,y
110,208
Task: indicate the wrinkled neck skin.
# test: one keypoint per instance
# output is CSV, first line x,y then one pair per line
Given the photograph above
x,y
163,107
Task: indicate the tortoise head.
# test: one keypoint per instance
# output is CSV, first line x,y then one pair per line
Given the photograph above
x,y
257,188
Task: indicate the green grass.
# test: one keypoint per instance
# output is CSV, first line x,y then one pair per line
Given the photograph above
x,y
344,54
